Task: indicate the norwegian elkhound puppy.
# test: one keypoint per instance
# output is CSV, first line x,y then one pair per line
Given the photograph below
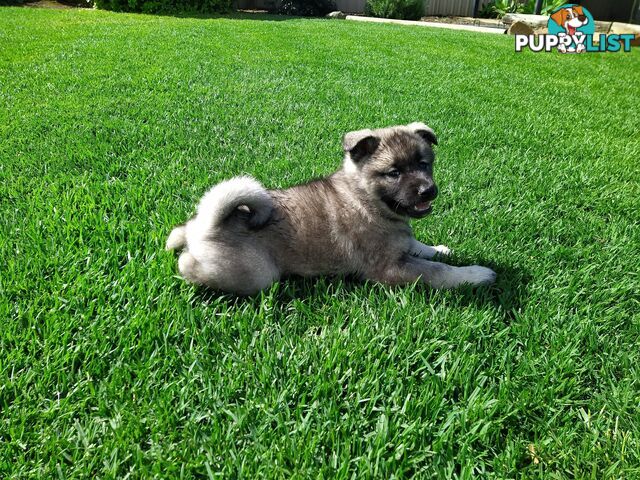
x,y
356,221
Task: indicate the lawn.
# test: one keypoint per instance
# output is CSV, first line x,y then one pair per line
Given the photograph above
x,y
113,125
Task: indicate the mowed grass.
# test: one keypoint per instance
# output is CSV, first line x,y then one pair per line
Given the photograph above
x,y
111,128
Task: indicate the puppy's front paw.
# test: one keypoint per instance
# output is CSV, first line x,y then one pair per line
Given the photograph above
x,y
477,275
442,250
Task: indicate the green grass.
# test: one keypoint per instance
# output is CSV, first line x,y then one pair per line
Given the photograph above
x,y
112,126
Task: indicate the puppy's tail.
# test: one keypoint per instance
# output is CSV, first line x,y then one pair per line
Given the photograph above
x,y
225,199
240,194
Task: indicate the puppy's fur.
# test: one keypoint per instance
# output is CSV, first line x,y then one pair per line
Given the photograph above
x,y
356,221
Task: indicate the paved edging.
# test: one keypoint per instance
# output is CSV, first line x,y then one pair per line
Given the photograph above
x,y
451,26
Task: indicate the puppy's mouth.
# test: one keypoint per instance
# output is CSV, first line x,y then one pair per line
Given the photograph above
x,y
416,210
420,209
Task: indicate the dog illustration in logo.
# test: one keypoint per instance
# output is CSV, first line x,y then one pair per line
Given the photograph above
x,y
570,18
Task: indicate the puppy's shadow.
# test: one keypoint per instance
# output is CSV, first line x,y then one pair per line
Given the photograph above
x,y
508,294
286,290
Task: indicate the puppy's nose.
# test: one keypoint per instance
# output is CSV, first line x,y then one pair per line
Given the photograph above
x,y
428,191
582,18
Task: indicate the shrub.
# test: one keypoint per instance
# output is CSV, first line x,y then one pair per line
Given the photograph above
x,y
402,9
166,6
550,5
306,8
499,8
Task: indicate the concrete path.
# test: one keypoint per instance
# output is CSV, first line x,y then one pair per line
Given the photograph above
x,y
452,26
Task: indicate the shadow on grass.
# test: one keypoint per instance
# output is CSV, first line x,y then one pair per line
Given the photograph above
x,y
508,295
74,4
264,16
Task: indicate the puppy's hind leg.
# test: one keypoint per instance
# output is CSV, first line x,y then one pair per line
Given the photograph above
x,y
248,273
190,269
419,249
230,272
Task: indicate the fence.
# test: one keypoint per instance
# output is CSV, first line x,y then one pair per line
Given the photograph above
x,y
434,7
462,8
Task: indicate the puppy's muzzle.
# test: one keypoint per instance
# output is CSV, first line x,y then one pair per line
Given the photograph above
x,y
427,191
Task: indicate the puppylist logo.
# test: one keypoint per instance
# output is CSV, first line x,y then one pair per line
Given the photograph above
x,y
572,30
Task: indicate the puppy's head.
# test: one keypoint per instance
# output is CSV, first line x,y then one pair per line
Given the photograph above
x,y
394,166
573,17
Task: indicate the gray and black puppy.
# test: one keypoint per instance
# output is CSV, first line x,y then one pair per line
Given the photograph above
x,y
356,221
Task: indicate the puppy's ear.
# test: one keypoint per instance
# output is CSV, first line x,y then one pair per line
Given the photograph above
x,y
559,17
360,144
427,134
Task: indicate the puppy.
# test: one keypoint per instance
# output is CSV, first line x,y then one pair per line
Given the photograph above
x,y
571,18
356,221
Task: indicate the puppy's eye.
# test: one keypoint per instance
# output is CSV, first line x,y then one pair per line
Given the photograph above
x,y
424,165
393,173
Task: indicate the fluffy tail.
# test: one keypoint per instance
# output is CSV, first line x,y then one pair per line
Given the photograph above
x,y
219,203
225,198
